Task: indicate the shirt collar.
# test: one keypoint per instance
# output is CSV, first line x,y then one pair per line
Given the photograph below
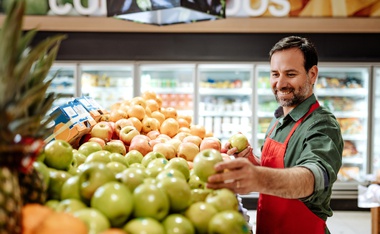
x,y
299,111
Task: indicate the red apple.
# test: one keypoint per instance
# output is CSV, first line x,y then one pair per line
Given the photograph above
x,y
187,150
153,134
127,133
210,143
119,124
140,144
101,142
102,130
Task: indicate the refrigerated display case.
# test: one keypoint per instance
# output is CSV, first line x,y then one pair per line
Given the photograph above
x,y
225,99
173,83
65,82
376,124
107,83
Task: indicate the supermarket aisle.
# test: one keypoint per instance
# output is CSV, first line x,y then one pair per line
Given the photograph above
x,y
342,222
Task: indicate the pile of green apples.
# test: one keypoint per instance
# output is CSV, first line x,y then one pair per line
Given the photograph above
x,y
137,193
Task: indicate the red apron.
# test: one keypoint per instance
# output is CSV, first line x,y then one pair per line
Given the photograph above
x,y
280,215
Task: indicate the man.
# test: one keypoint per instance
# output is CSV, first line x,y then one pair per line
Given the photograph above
x,y
302,152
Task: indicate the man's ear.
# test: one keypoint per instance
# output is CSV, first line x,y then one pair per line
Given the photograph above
x,y
313,74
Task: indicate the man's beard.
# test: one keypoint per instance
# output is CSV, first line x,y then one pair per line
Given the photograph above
x,y
298,95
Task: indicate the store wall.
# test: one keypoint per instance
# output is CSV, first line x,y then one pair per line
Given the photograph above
x,y
340,47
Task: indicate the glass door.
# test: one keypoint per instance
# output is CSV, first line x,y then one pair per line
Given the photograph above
x,y
376,125
173,83
64,83
225,99
107,83
344,89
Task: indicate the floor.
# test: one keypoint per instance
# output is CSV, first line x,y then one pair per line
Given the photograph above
x,y
342,222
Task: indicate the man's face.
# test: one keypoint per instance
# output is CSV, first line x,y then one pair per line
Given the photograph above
x,y
290,83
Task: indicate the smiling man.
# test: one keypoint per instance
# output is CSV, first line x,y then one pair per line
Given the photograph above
x,y
302,152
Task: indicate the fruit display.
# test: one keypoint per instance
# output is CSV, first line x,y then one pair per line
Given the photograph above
x,y
141,168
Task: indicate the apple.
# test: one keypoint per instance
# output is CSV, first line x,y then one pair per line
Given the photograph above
x,y
137,165
187,150
116,167
175,143
102,130
204,163
101,142
177,223
149,124
132,177
119,124
200,214
56,179
116,157
127,133
178,192
144,225
95,221
156,166
153,134
115,201
58,154
70,205
239,141
193,138
150,201
141,144
79,157
115,146
102,156
89,147
195,182
181,165
228,221
52,203
199,194
223,199
93,176
133,156
170,172
70,188
210,143
43,170
165,149
150,156
181,135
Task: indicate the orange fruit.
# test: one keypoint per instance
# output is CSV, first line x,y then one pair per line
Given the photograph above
x,y
170,112
152,104
148,124
159,101
184,129
148,112
138,101
183,122
61,223
159,116
136,123
32,215
188,118
115,106
117,114
169,127
149,94
114,231
198,130
136,111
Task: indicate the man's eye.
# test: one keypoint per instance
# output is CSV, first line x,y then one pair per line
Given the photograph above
x,y
291,74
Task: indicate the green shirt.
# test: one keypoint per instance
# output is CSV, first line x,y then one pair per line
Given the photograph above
x,y
316,144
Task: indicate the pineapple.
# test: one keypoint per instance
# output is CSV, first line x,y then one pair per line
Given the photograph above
x,y
24,105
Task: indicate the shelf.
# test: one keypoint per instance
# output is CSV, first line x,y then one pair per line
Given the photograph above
x,y
171,90
225,114
342,92
229,25
226,92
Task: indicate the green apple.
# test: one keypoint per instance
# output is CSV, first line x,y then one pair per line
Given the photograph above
x,y
95,221
137,165
156,166
228,221
56,179
116,157
200,214
58,154
150,201
178,223
116,167
73,170
223,199
132,177
127,133
52,203
239,141
181,165
150,156
144,225
115,201
43,170
178,192
204,162
70,188
115,146
170,172
89,147
133,156
196,183
199,194
70,205
79,157
92,177
99,156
